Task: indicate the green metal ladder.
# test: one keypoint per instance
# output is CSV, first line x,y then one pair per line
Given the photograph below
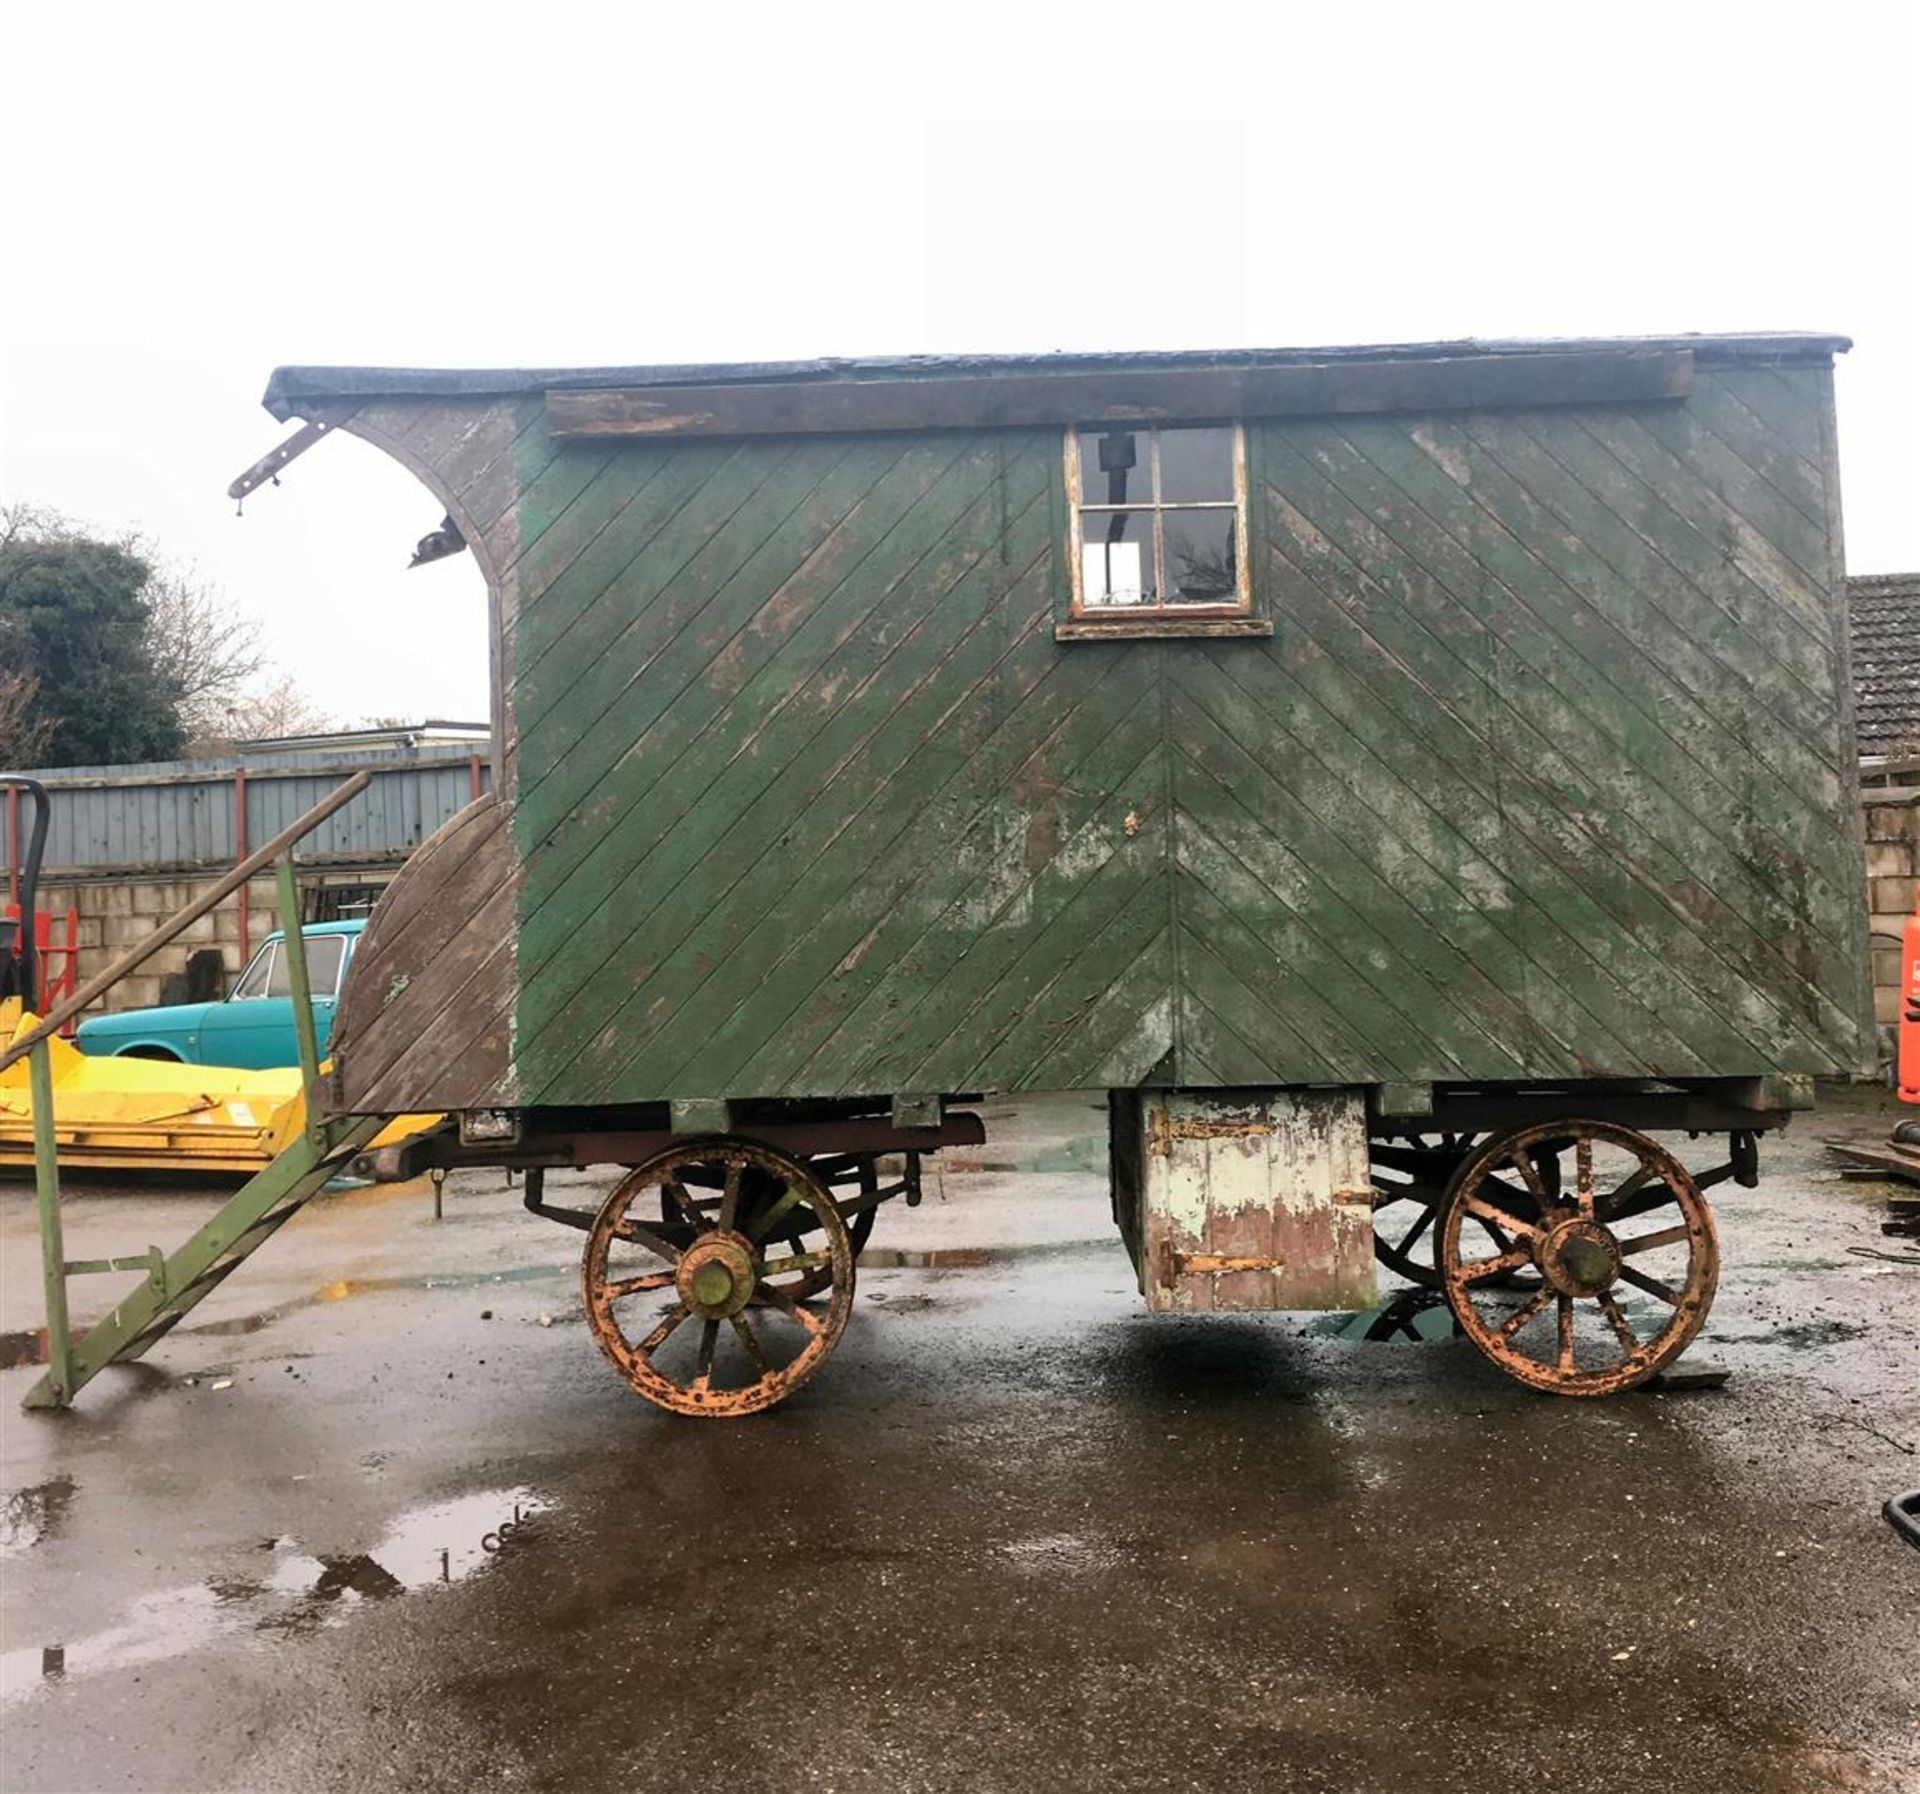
x,y
174,1284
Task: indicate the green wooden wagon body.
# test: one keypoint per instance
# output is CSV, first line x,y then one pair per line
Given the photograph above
x,y
1513,789
1544,770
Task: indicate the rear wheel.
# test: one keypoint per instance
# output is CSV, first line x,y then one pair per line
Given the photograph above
x,y
1620,1238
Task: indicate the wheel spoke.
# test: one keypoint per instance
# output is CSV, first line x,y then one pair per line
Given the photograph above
x,y
763,1223
1566,1331
1622,1327
1521,1316
659,1336
709,1339
1486,1211
1583,1174
632,1286
791,1309
730,1197
751,1340
1652,1285
1641,1175
1523,1162
1477,1270
1419,1227
1646,1242
676,1193
642,1235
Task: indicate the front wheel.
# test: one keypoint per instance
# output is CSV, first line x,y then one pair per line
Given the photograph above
x,y
709,1317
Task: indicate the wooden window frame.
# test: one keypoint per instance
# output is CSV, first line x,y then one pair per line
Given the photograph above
x,y
1092,622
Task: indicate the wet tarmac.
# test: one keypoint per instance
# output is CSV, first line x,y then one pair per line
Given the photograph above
x,y
379,1516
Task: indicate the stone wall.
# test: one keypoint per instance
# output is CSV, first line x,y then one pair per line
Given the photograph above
x,y
119,912
1893,864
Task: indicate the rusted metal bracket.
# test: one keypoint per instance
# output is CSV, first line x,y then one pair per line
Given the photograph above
x,y
268,467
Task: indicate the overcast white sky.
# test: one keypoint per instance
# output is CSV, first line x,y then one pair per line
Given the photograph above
x,y
198,192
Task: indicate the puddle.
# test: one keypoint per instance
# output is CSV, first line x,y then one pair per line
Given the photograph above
x,y
1415,1314
344,1289
289,1590
1801,1336
969,1258
1060,1553
31,1515
1419,1315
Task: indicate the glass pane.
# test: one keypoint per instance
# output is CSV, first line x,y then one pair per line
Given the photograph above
x,y
1116,558
1200,557
253,981
323,967
1195,465
1126,477
323,963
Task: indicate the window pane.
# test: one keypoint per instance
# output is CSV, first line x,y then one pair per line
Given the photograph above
x,y
1195,465
1119,484
1200,557
323,963
253,981
1116,558
323,967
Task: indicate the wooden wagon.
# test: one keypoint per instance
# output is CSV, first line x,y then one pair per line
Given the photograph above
x,y
1406,780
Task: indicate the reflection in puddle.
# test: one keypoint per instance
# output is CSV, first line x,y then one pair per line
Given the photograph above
x,y
293,1592
1416,1314
968,1258
1421,1315
34,1514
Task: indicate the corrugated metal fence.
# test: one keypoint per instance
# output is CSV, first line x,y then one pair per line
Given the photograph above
x,y
178,815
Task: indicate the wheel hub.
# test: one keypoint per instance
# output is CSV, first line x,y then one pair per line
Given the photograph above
x,y
1580,1258
717,1274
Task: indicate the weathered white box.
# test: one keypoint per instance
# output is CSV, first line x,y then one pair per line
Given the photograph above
x,y
1245,1200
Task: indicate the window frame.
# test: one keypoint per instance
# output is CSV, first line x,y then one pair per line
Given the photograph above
x,y
263,957
1234,616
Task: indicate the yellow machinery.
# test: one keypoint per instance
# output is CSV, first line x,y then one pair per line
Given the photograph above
x,y
115,1114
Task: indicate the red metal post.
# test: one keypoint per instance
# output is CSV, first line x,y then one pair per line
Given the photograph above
x,y
239,854
13,843
473,773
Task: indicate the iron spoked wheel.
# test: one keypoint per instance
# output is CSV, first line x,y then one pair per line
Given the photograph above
x,y
707,1320
1617,1224
758,1193
1412,1180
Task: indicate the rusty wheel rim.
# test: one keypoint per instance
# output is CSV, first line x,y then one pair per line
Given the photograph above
x,y
702,1318
1622,1241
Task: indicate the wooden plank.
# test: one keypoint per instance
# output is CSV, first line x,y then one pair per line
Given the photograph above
x,y
714,706
1275,947
1596,666
999,401
789,707
1498,726
593,708
956,906
848,850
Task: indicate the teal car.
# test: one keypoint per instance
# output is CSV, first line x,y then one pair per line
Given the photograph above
x,y
253,1026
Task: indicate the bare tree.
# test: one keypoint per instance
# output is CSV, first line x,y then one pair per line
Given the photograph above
x,y
203,648
277,710
25,729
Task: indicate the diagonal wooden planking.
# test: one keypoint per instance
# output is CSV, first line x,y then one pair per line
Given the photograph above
x,y
1542,773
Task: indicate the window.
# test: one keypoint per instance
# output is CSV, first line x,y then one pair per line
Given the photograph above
x,y
253,981
267,974
1159,528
